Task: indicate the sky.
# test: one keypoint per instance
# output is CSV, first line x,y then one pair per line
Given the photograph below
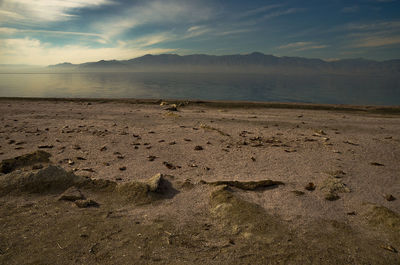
x,y
43,32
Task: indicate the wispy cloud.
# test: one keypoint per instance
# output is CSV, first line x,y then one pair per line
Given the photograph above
x,y
350,9
154,12
283,12
259,10
149,40
32,51
302,46
374,34
376,41
44,10
7,30
234,32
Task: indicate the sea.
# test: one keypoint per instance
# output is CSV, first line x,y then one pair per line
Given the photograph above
x,y
379,89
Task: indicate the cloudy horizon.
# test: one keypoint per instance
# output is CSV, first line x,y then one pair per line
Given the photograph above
x,y
54,31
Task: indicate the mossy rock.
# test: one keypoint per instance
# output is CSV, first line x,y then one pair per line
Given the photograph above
x,y
135,192
335,185
155,188
380,216
245,218
48,180
97,185
9,165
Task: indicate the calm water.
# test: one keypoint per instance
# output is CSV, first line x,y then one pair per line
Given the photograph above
x,y
335,89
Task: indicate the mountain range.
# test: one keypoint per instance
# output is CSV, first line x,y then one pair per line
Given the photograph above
x,y
253,62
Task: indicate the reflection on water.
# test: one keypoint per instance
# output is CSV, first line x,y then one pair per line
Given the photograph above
x,y
334,89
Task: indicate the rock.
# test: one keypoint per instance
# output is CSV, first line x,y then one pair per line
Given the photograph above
x,y
151,158
71,194
122,168
376,164
331,196
36,167
104,148
198,148
48,146
8,165
290,150
334,185
298,192
246,185
310,186
154,182
76,147
135,192
187,184
172,108
88,169
390,197
350,143
240,217
169,165
70,162
86,203
380,216
337,174
389,248
48,180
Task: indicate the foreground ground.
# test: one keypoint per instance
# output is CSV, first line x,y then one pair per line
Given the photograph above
x,y
348,215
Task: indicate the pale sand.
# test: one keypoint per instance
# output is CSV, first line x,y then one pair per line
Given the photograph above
x,y
295,146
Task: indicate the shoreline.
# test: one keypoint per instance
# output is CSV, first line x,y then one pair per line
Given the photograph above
x,y
375,109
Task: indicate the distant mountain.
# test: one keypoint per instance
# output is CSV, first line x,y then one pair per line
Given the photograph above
x,y
253,62
63,65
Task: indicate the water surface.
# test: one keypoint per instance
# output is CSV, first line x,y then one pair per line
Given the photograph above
x,y
329,88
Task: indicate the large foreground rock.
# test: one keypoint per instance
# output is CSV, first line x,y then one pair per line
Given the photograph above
x,y
9,165
47,180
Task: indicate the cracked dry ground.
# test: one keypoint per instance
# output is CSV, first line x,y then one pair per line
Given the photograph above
x,y
339,202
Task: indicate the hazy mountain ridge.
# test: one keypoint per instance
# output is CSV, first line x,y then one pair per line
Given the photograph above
x,y
254,62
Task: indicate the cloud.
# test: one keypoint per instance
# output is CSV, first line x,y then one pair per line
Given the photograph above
x,y
373,26
32,51
374,34
6,30
376,41
149,40
350,9
44,10
282,13
155,12
302,46
235,31
259,10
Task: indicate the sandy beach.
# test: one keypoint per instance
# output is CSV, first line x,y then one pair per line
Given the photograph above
x,y
148,182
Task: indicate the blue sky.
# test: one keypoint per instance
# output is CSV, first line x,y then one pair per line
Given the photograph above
x,y
45,32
